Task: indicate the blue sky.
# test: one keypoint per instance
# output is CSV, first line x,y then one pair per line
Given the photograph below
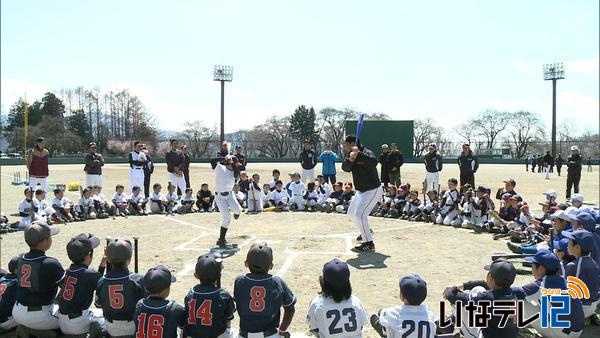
x,y
410,59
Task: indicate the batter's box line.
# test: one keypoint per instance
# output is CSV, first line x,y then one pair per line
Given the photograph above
x,y
183,246
172,218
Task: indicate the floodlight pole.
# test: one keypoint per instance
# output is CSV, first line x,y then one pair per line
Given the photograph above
x,y
554,72
223,74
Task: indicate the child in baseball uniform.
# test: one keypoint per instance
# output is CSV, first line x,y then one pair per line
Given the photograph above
x,y
311,197
581,244
273,182
279,198
345,199
26,209
296,189
336,312
451,199
43,208
209,308
239,196
172,199
119,200
100,202
266,196
255,196
244,183
386,201
334,197
413,318
205,199
399,202
137,202
8,285
428,207
158,200
63,206
186,204
411,209
323,191
85,205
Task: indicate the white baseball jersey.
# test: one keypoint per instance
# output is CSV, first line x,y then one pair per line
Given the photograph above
x,y
172,197
323,191
85,202
136,199
272,184
185,199
61,202
157,196
99,197
224,178
44,208
279,196
119,198
451,196
266,196
239,196
345,319
25,206
312,195
297,188
135,156
408,321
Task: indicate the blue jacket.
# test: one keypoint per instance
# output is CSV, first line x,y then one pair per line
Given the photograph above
x,y
328,159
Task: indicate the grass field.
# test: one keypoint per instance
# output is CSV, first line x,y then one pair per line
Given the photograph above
x,y
303,242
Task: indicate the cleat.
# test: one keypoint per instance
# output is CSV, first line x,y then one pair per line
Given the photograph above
x,y
514,247
365,247
374,320
236,216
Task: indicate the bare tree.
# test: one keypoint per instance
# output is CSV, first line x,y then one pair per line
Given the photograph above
x,y
526,127
489,124
425,131
197,137
273,138
332,124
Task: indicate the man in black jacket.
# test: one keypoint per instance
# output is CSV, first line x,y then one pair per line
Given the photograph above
x,y
468,164
395,161
547,160
308,161
385,178
574,162
148,170
241,157
362,163
433,165
559,163
93,166
175,162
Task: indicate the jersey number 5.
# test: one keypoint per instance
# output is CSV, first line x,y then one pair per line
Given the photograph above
x,y
69,288
203,313
154,324
257,298
115,296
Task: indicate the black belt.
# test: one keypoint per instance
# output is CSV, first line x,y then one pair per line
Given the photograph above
x,y
224,193
117,320
264,333
73,315
34,308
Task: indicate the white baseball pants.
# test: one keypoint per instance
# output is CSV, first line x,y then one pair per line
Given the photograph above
x,y
81,324
43,319
136,178
178,181
42,181
308,174
359,209
118,328
92,180
224,203
297,200
432,180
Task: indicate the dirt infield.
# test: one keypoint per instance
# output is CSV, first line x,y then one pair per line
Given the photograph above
x,y
302,242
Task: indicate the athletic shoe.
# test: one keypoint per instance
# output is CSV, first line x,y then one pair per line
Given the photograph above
x,y
516,248
223,244
476,228
236,216
365,247
375,324
596,319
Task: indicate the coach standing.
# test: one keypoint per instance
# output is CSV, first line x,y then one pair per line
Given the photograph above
x,y
93,166
468,164
175,161
308,161
385,177
137,161
148,170
395,161
185,167
433,166
37,164
574,162
241,158
328,158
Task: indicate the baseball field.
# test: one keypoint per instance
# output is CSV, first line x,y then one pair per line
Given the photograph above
x,y
302,242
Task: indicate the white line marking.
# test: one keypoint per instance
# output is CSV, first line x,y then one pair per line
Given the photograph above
x,y
186,223
400,227
187,270
287,263
183,246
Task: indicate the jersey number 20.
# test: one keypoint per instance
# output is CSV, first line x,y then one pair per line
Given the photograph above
x,y
351,326
423,328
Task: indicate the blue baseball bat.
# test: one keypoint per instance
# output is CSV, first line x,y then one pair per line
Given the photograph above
x,y
359,125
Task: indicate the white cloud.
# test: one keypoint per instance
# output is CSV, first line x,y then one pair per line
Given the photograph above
x,y
13,89
584,65
522,65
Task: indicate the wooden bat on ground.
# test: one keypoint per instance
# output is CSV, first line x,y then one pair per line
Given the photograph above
x,y
509,256
269,209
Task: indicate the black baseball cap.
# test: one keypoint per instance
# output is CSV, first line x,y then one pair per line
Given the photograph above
x,y
336,272
320,177
92,144
13,264
28,190
39,192
503,271
208,266
80,245
158,279
511,181
582,237
413,289
38,231
481,188
39,139
260,257
547,259
118,250
350,139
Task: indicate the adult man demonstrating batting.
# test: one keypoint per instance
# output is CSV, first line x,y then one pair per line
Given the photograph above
x,y
363,165
226,172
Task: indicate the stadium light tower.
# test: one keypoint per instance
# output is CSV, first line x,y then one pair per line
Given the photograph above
x,y
223,74
554,72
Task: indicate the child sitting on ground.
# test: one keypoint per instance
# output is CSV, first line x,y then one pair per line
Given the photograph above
x,y
310,197
187,202
411,209
43,208
85,205
273,182
255,196
449,211
296,189
137,202
119,201
172,199
323,192
429,207
158,201
386,201
266,195
8,286
100,203
279,198
334,198
26,209
204,199
345,199
336,301
63,206
239,196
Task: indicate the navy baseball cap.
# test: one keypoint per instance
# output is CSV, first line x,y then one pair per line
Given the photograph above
x,y
587,221
511,181
158,279
38,231
503,271
13,264
39,192
582,237
336,272
28,190
260,257
80,245
208,266
559,245
118,250
547,259
413,289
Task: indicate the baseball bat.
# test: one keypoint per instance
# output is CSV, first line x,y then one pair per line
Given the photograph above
x,y
359,125
135,251
108,265
510,256
270,209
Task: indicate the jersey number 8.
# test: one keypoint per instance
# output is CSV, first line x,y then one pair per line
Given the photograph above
x,y
257,298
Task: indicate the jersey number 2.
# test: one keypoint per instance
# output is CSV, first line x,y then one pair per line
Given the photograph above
x,y
203,313
25,274
154,324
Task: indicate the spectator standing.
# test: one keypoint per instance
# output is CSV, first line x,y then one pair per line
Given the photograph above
x,y
93,166
559,163
385,177
175,162
527,160
241,158
574,167
395,161
589,164
37,164
533,163
148,170
137,161
540,163
468,164
546,160
328,158
185,168
308,161
433,166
